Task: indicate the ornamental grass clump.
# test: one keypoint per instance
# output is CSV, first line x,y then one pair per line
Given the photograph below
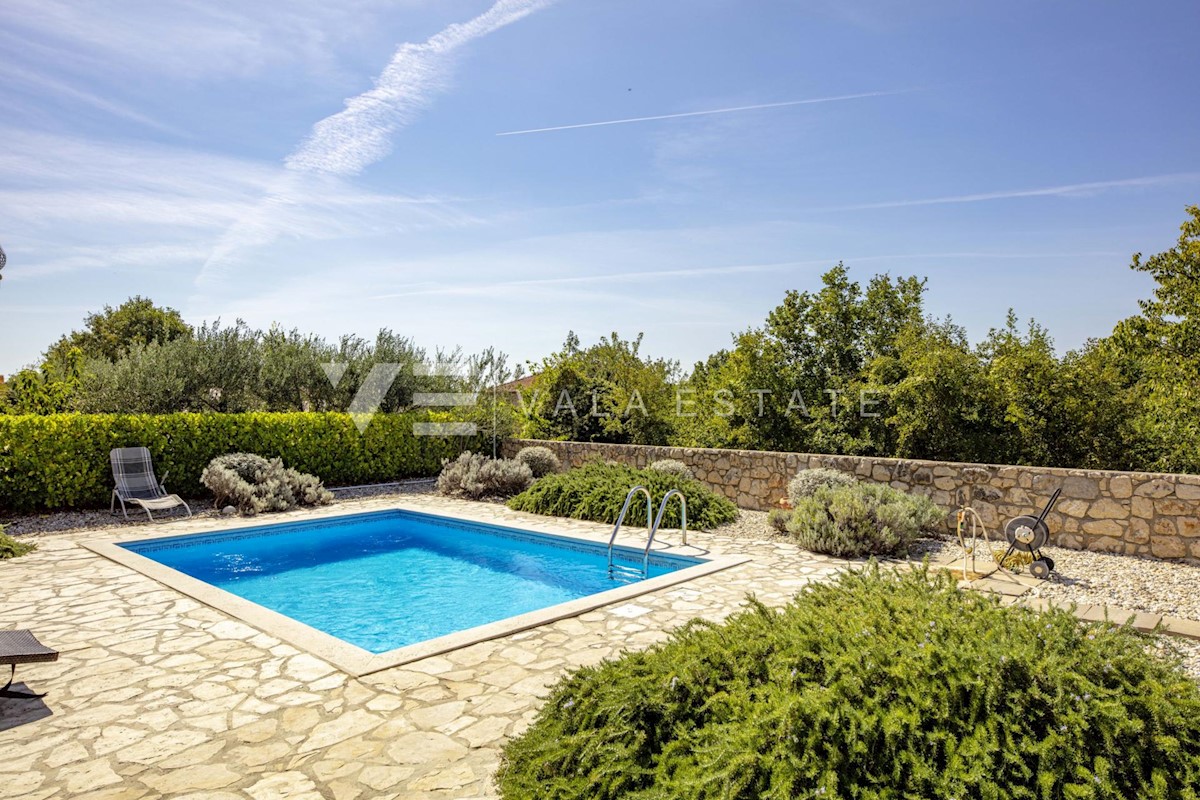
x,y
540,460
862,519
254,484
596,491
879,685
474,475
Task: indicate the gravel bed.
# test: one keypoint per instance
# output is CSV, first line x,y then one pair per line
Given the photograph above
x,y
56,522
750,525
1132,582
415,486
1187,649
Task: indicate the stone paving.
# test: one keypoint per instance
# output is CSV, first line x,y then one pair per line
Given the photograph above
x,y
156,695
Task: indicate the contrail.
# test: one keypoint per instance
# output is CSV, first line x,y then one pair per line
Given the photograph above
x,y
706,113
1067,190
346,143
359,135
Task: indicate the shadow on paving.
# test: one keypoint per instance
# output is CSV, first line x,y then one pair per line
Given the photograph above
x,y
15,712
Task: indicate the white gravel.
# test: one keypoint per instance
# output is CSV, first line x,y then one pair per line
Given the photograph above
x,y
1187,649
751,525
54,522
1133,582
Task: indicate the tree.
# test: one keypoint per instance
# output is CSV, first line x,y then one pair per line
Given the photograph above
x,y
1157,357
113,332
233,368
606,393
107,336
1170,321
291,374
805,378
48,389
944,407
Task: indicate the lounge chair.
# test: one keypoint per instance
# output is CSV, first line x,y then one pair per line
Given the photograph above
x,y
134,473
21,647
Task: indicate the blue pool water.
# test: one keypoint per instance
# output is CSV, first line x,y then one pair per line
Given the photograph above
x,y
393,578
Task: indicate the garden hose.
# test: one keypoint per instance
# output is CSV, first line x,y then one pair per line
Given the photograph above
x,y
969,550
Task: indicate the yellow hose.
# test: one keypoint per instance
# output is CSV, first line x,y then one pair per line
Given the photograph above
x,y
969,550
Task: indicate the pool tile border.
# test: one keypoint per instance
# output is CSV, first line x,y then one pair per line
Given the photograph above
x,y
358,662
623,553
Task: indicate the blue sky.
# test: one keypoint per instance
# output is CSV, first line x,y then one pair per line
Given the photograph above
x,y
336,166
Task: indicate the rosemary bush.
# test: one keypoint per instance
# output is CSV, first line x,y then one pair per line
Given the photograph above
x,y
808,481
876,687
597,490
672,467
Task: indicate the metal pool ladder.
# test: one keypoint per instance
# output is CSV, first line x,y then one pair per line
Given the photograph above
x,y
618,570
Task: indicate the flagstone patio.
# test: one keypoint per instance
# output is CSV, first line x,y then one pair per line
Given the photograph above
x,y
157,695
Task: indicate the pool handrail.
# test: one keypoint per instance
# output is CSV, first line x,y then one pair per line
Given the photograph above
x,y
621,519
662,509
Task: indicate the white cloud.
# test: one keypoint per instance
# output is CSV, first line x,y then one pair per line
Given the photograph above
x,y
186,38
51,261
513,287
74,204
17,78
40,159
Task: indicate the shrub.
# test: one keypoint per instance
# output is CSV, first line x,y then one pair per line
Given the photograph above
x,y
255,484
61,460
596,491
876,686
808,481
540,460
475,475
861,520
670,466
13,548
778,518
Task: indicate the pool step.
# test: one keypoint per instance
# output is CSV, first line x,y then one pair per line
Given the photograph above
x,y
620,572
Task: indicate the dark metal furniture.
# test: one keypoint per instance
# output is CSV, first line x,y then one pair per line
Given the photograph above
x,y
22,647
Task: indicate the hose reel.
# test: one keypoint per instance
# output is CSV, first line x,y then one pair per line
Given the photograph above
x,y
1029,534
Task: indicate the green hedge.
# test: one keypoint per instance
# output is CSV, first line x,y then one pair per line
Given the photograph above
x,y
61,460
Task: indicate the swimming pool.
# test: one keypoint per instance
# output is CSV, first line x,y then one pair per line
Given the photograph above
x,y
387,580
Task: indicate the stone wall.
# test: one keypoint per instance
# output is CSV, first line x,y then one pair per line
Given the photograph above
x,y
1139,513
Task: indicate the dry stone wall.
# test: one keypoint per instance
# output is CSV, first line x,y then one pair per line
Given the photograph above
x,y
1142,513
